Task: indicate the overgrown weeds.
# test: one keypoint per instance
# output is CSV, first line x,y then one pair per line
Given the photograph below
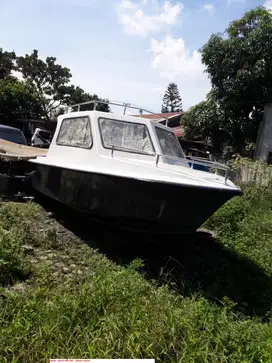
x,y
244,224
78,304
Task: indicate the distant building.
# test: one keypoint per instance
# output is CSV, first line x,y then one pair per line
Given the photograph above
x,y
264,139
174,118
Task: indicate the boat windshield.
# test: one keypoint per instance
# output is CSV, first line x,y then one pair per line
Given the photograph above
x,y
169,143
127,136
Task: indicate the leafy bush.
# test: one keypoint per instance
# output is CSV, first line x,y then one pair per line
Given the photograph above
x,y
244,224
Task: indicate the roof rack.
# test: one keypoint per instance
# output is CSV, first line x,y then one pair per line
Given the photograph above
x,y
125,105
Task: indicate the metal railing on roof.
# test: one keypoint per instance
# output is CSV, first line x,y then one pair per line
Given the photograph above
x,y
125,105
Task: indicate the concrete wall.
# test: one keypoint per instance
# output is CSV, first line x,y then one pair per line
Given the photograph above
x,y
264,140
255,172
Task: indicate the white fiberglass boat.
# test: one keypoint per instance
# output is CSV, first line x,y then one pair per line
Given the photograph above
x,y
129,169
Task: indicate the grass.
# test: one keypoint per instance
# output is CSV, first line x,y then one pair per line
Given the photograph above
x,y
245,225
59,298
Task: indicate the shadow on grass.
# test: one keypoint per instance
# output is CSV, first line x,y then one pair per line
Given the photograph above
x,y
13,276
192,264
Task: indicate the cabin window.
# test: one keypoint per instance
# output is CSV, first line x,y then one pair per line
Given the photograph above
x,y
169,143
125,135
76,132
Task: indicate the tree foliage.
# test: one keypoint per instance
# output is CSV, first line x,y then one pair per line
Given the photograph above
x,y
49,80
239,64
207,121
78,95
171,101
44,91
6,63
17,100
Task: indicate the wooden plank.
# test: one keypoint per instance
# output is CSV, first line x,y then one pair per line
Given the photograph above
x,y
11,150
9,157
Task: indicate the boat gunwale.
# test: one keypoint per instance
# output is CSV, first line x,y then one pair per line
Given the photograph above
x,y
226,187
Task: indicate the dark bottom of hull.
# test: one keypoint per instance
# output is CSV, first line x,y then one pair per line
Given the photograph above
x,y
15,176
150,206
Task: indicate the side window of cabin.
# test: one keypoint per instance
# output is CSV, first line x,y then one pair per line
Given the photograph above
x,y
76,132
169,143
125,135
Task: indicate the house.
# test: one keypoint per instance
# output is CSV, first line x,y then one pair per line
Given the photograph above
x,y
173,119
179,131
264,138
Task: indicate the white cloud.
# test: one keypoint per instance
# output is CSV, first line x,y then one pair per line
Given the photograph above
x,y
171,58
268,5
209,8
138,22
175,63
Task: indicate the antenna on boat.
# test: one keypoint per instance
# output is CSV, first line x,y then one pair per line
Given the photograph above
x,y
125,105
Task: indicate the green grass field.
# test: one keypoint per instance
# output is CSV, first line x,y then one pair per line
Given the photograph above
x,y
195,300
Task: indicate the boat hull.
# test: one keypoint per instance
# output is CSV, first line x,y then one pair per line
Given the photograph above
x,y
157,207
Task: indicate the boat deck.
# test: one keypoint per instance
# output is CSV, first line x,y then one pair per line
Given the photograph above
x,y
11,151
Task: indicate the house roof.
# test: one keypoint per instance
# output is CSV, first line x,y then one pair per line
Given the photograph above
x,y
160,116
179,131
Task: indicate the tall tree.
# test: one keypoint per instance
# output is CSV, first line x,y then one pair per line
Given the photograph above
x,y
171,101
6,63
49,80
239,64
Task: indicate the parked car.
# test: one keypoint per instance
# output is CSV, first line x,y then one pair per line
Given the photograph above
x,y
12,134
41,138
12,174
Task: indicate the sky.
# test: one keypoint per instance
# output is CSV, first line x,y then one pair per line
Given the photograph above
x,y
123,50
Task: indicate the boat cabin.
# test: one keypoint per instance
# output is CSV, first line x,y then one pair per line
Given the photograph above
x,y
108,143
128,145
120,136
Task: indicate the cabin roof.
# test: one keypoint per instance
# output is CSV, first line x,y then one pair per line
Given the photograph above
x,y
114,116
152,117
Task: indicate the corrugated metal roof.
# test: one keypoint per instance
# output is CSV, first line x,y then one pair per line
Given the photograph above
x,y
160,115
178,130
